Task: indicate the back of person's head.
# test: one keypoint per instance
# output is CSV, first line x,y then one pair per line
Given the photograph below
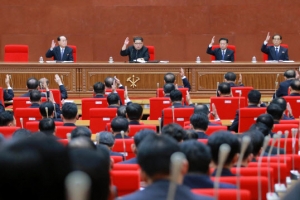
x,y
230,76
174,130
175,95
32,84
198,156
21,134
295,85
141,135
275,110
119,124
223,137
106,138
108,81
69,110
47,126
42,80
266,119
154,154
199,121
254,96
121,111
81,143
201,109
261,127
290,73
96,163
190,134
43,107
99,88
7,118
113,98
247,154
134,111
280,101
35,95
169,87
81,131
169,78
257,141
224,88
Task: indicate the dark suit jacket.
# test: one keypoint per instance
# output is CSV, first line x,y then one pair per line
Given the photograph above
x,y
69,124
202,135
176,105
2,109
158,190
202,181
27,94
283,88
68,54
102,96
235,124
270,50
134,122
119,136
8,94
134,54
186,83
63,92
34,105
217,52
213,124
225,172
130,161
294,94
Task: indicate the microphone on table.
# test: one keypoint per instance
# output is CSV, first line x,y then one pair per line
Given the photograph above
x,y
78,185
124,145
173,116
21,121
177,160
223,154
278,186
159,121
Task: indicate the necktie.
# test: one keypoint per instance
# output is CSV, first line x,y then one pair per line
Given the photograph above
x,y
223,54
276,52
62,53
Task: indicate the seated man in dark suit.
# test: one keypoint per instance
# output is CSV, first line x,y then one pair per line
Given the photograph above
x,y
275,111
136,52
222,53
119,124
81,131
99,89
154,155
7,118
248,156
47,126
69,114
8,94
257,141
35,98
289,76
121,111
112,83
275,52
175,131
62,89
295,88
199,158
224,90
230,78
134,113
204,109
113,100
199,123
33,84
170,78
61,52
168,88
51,114
215,141
284,106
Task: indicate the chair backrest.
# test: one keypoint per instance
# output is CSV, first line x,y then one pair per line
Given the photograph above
x,y
120,92
16,53
64,142
295,160
294,102
133,129
231,47
274,159
8,131
285,127
151,51
224,194
62,131
126,181
56,95
74,52
235,91
126,167
88,103
99,117
289,145
227,106
211,129
33,126
117,158
23,102
160,93
1,96
118,147
248,116
295,121
180,115
157,104
27,114
265,56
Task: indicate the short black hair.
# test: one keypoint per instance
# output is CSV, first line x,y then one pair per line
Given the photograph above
x,y
230,76
169,78
112,98
275,110
290,73
168,87
198,156
190,134
99,88
223,39
261,127
109,81
119,124
249,148
35,95
81,131
82,142
281,102
295,85
154,154
254,96
32,84
277,35
47,126
266,119
69,110
106,138
201,109
21,133
175,95
6,117
224,88
174,130
43,106
134,111
138,38
257,141
141,135
121,111
58,38
199,121
223,137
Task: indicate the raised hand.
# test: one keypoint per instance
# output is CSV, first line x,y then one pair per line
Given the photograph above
x,y
126,42
126,93
57,79
188,98
114,86
268,37
240,81
7,80
289,109
117,80
181,72
212,40
52,44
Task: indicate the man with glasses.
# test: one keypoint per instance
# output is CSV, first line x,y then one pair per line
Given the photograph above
x,y
137,52
275,52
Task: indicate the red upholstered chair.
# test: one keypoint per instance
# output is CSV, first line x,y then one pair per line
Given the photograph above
x,y
235,91
126,181
56,95
248,116
231,47
99,117
294,103
7,131
88,103
62,131
265,56
211,129
160,93
157,104
118,147
227,106
120,92
289,145
282,159
135,167
224,194
74,52
33,126
117,158
285,127
180,115
64,142
133,129
295,160
28,114
23,102
151,52
16,53
296,121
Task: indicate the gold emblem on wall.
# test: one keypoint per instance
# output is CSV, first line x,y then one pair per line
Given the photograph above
x,y
133,80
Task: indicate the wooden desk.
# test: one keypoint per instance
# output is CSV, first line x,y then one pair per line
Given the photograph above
x,y
83,123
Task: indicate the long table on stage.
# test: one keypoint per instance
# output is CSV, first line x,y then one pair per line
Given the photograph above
x,y
142,79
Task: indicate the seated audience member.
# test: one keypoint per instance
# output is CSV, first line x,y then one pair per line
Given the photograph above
x,y
134,113
113,100
35,98
224,90
282,90
174,130
284,106
138,138
61,52
36,167
21,134
51,114
154,155
119,124
248,156
62,89
136,52
8,94
7,119
222,53
170,78
69,114
168,88
107,139
275,111
253,102
47,126
33,84
230,78
199,158
295,88
121,111
215,141
257,141
111,81
267,120
81,131
199,123
275,52
99,90
81,143
190,134
176,99
204,109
